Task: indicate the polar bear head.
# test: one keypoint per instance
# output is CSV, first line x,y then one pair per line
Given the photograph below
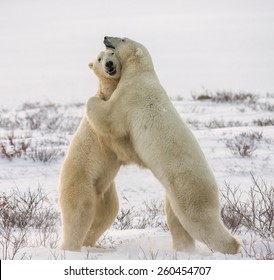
x,y
106,65
129,51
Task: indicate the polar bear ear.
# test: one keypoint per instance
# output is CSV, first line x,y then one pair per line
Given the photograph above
x,y
90,65
139,52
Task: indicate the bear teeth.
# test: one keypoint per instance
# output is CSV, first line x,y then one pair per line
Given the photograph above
x,y
111,71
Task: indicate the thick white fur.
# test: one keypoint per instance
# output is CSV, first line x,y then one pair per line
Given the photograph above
x,y
88,198
140,110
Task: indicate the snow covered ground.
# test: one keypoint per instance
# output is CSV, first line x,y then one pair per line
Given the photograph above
x,y
237,138
45,47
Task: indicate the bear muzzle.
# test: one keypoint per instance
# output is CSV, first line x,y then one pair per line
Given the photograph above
x,y
107,42
110,68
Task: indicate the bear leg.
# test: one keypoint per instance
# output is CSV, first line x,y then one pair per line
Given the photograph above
x,y
182,241
107,207
77,216
214,234
205,225
199,214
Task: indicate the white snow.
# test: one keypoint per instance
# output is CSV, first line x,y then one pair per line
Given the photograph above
x,y
138,186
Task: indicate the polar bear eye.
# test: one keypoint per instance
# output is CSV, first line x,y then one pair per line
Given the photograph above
x,y
99,59
123,40
112,53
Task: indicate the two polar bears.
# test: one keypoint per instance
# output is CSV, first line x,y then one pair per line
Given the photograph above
x,y
140,111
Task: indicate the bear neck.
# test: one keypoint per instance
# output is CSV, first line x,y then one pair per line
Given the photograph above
x,y
131,66
107,87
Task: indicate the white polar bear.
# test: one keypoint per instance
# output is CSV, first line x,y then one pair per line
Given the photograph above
x,y
88,198
140,109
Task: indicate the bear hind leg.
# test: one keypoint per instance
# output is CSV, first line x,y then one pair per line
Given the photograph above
x,y
107,207
217,238
182,241
77,217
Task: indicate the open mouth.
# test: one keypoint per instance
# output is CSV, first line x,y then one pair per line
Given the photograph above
x,y
111,71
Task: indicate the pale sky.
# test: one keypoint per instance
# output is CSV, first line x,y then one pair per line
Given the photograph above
x,y
45,46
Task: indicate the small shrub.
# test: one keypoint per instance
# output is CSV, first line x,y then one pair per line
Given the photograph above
x,y
44,150
264,122
244,144
267,253
43,119
11,241
150,255
34,121
9,122
230,97
124,219
106,240
194,123
69,124
54,123
26,219
206,95
30,106
26,209
259,250
222,124
45,154
227,97
203,97
152,215
252,210
13,147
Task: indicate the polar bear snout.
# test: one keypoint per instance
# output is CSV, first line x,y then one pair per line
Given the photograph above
x,y
109,64
113,42
107,42
110,67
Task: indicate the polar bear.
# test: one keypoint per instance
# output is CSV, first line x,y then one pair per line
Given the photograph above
x,y
140,110
88,198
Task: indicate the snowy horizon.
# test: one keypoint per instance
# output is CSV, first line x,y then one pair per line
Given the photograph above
x,y
46,45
